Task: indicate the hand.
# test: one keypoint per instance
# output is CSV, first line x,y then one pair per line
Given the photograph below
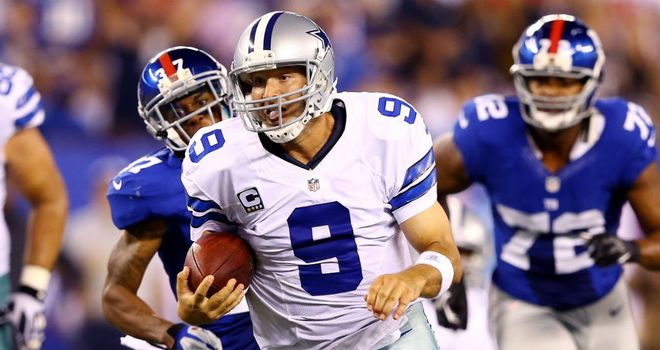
x,y
27,313
607,249
392,290
451,307
193,338
195,308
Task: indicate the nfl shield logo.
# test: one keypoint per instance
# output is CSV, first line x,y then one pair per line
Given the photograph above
x,y
313,185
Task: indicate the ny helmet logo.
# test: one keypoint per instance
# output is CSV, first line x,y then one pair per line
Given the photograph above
x,y
250,200
313,185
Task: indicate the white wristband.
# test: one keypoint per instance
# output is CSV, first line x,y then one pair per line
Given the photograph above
x,y
36,277
442,264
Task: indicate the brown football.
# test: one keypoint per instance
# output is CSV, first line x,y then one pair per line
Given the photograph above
x,y
223,255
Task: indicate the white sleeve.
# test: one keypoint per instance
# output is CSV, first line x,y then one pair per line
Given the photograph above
x,y
207,214
412,178
26,107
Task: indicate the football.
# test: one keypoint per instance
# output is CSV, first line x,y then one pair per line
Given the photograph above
x,y
223,255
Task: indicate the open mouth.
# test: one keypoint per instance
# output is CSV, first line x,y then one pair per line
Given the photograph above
x,y
272,117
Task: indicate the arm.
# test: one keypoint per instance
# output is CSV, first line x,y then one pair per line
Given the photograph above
x,y
128,261
427,231
644,197
449,166
32,169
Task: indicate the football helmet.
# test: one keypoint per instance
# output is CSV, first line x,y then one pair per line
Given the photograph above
x,y
283,39
175,73
557,46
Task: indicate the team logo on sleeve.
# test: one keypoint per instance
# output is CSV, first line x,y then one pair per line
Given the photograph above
x,y
250,200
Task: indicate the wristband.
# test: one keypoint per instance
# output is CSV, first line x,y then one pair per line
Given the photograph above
x,y
35,277
442,264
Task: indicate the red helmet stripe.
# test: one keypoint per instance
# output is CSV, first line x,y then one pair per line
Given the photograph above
x,y
555,35
166,62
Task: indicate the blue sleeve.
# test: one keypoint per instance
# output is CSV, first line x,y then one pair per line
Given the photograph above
x,y
126,205
467,139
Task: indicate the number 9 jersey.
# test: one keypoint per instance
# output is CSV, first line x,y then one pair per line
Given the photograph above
x,y
543,219
323,231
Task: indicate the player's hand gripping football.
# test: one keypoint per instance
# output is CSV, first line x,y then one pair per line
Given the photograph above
x,y
26,312
451,307
193,338
607,249
395,290
195,308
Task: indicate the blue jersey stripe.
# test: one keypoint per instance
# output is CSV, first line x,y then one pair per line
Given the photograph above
x,y
200,205
269,30
26,98
417,169
414,192
253,33
197,222
22,121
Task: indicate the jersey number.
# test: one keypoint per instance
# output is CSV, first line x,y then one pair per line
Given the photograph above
x,y
394,107
322,236
209,142
531,226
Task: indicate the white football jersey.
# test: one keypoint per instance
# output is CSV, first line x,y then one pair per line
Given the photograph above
x,y
321,233
20,107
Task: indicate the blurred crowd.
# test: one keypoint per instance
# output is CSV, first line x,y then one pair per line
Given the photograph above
x,y
86,56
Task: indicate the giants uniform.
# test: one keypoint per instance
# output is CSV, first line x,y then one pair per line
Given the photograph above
x,y
20,108
150,187
542,219
321,232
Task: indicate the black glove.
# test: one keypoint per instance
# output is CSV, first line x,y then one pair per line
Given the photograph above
x,y
607,249
451,307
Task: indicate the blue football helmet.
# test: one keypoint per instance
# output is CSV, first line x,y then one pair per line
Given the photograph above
x,y
171,75
557,46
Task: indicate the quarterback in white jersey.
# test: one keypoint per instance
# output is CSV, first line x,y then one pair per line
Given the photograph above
x,y
29,163
328,189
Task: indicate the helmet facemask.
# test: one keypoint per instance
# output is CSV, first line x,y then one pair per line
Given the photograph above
x,y
553,113
166,122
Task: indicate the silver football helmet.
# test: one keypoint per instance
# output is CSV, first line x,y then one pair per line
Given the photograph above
x,y
283,39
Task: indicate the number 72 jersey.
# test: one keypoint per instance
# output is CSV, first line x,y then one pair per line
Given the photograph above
x,y
542,219
321,232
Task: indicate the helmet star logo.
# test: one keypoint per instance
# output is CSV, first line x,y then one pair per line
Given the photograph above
x,y
319,34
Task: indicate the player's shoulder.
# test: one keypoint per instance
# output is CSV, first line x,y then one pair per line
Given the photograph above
x,y
491,117
148,176
218,145
626,122
381,115
19,99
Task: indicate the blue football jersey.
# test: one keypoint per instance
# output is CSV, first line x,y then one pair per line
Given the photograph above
x,y
151,187
543,219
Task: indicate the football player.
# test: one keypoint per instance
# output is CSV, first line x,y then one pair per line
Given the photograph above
x,y
558,164
30,165
180,90
328,188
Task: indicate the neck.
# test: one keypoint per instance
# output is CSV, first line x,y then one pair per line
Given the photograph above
x,y
313,137
556,146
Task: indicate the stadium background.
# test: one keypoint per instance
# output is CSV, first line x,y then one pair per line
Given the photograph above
x,y
86,56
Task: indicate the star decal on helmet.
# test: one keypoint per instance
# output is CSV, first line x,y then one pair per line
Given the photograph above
x,y
321,36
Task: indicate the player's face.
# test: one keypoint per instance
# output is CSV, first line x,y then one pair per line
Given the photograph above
x,y
189,104
276,82
555,86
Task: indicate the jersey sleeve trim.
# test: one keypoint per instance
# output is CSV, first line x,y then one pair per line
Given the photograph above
x,y
33,117
419,205
414,192
199,207
418,169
